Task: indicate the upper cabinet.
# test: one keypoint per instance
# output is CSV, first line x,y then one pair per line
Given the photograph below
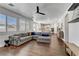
x,y
73,6
74,14
70,16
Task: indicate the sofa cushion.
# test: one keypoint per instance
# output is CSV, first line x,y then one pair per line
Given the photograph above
x,y
37,33
23,34
32,33
42,37
16,35
45,34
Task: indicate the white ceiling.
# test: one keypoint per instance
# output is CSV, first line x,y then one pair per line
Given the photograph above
x,y
53,11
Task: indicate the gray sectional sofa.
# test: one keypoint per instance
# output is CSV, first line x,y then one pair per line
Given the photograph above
x,y
44,37
21,38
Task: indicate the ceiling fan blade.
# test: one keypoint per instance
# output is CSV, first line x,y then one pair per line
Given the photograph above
x,y
37,9
41,13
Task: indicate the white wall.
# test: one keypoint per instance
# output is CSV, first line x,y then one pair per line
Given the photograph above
x,y
66,29
74,33
71,30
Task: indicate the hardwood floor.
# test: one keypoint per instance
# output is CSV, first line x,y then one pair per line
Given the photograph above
x,y
32,48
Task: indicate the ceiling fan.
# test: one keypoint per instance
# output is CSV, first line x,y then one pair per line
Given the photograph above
x,y
39,11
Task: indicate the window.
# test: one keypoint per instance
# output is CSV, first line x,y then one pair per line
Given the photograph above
x,y
2,23
34,26
22,25
11,23
27,26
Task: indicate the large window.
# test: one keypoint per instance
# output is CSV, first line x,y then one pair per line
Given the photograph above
x,y
2,23
22,25
27,26
11,23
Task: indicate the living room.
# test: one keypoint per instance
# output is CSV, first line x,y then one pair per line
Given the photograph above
x,y
38,29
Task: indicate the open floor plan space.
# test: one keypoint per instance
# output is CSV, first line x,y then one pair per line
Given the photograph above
x,y
33,48
39,29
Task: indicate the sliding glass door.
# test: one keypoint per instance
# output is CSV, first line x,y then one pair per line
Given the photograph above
x,y
11,23
2,23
